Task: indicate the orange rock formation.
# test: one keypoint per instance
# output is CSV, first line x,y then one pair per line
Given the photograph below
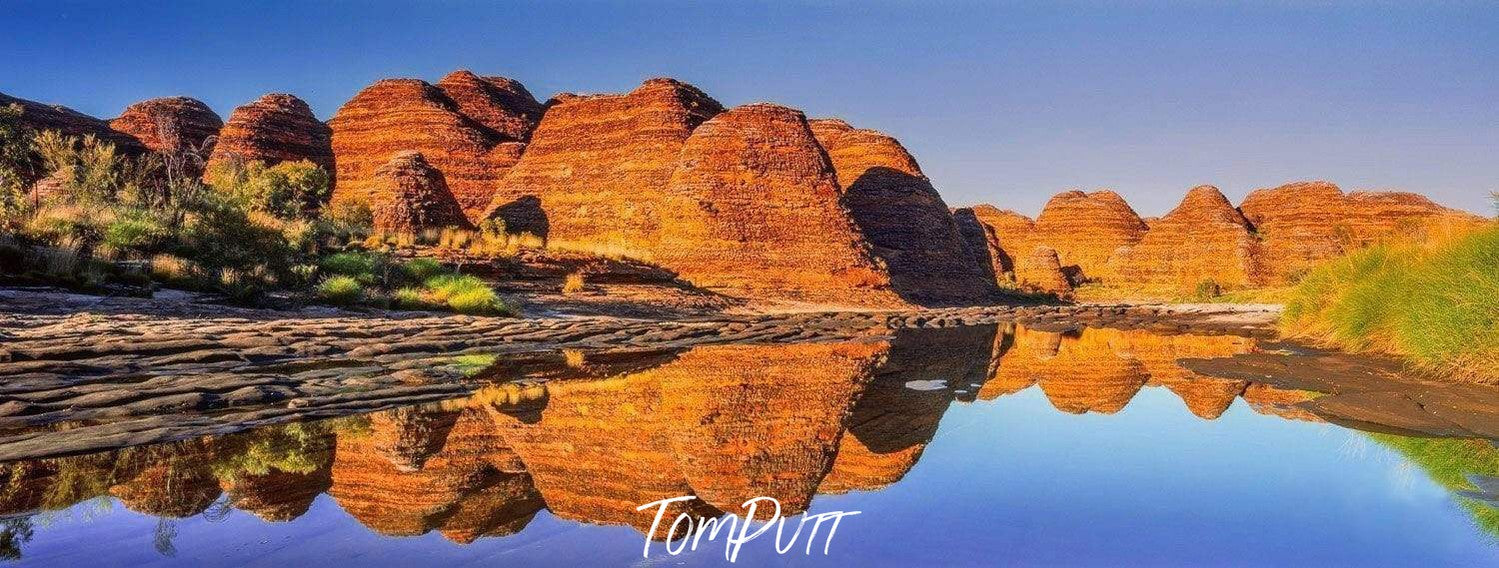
x,y
1086,229
39,117
756,212
901,215
169,124
1204,239
274,128
418,196
595,173
399,115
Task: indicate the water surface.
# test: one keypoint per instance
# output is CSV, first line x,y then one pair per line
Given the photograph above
x,y
968,446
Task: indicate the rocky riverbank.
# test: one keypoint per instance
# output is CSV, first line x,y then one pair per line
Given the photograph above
x,y
135,370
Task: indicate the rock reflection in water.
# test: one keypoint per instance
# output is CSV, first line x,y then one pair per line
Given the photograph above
x,y
594,436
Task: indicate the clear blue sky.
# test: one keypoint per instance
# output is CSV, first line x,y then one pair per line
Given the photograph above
x,y
1001,103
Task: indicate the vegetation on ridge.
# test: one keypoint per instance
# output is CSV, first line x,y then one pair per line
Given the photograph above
x,y
1434,301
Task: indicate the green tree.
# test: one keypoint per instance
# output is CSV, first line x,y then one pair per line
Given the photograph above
x,y
288,190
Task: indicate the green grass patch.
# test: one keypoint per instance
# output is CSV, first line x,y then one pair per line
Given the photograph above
x,y
340,290
1436,303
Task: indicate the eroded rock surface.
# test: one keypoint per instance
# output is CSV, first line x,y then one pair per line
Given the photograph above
x,y
1086,230
1204,240
169,124
418,197
904,219
756,212
274,128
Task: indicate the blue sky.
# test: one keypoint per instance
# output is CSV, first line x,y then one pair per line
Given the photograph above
x,y
1005,103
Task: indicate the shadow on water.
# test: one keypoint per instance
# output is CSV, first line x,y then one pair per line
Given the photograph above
x,y
589,437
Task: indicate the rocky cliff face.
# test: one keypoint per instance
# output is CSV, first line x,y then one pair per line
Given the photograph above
x,y
411,195
1086,229
1204,239
501,104
399,115
901,215
594,175
169,124
39,117
274,128
1305,222
755,211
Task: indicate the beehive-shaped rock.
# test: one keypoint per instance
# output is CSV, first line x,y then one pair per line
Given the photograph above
x,y
756,212
274,128
1203,240
1086,229
410,195
501,104
1041,270
38,117
594,175
398,115
901,215
169,124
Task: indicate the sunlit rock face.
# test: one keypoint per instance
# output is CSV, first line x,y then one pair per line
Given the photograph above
x,y
756,213
762,420
1040,269
1016,258
416,197
902,216
400,115
594,174
501,104
175,482
39,116
1303,223
169,124
1204,239
1087,229
274,128
503,508
925,371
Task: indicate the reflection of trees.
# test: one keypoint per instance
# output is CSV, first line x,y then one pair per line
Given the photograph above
x,y
14,532
1455,464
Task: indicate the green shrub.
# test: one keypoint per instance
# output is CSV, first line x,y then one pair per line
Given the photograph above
x,y
135,230
1207,290
340,290
422,269
288,190
359,265
412,299
466,295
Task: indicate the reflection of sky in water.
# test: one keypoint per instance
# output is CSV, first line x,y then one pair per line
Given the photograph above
x,y
1009,480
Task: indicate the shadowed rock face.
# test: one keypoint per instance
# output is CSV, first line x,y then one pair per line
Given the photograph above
x,y
399,115
501,104
902,216
411,195
406,437
982,244
274,128
1086,229
1306,222
1018,258
39,117
756,212
170,123
1203,239
890,426
597,167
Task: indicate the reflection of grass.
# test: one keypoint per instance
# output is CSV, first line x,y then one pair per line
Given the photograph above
x,y
472,364
1448,461
1434,301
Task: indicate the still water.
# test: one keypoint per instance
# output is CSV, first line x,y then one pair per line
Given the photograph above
x,y
972,446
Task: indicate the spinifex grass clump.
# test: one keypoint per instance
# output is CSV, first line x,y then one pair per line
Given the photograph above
x,y
417,284
1435,302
